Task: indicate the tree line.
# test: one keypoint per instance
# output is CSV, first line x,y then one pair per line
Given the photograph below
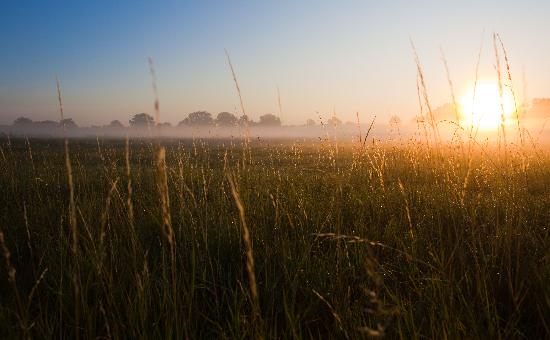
x,y
145,120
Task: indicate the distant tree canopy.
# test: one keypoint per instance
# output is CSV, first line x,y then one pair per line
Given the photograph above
x,y
68,123
446,111
145,120
22,121
197,118
226,119
142,120
310,122
115,124
334,121
269,120
48,124
395,122
244,120
540,108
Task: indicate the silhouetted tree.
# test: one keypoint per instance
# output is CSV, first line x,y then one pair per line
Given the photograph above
x,y
47,124
310,122
226,119
244,120
270,120
540,108
198,118
142,120
334,121
395,121
68,123
22,121
115,124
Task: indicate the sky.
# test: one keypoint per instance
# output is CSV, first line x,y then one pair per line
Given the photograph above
x,y
324,56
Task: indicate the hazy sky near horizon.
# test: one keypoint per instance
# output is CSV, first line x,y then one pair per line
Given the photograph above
x,y
346,56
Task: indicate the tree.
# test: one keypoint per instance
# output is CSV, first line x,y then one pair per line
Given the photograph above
x,y
198,118
116,124
540,108
142,120
68,123
47,124
22,121
270,120
395,122
310,122
226,119
244,120
334,121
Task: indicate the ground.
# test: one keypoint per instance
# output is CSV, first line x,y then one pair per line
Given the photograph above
x,y
273,239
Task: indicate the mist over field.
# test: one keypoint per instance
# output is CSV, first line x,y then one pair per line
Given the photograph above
x,y
536,127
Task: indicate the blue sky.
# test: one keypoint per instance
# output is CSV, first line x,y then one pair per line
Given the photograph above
x,y
343,55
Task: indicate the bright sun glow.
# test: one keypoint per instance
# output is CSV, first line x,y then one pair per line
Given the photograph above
x,y
486,108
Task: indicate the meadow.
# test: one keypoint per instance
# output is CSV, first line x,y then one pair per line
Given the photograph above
x,y
273,239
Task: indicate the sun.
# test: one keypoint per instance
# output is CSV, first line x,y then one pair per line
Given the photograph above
x,y
485,108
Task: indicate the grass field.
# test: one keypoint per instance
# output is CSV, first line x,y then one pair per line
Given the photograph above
x,y
277,239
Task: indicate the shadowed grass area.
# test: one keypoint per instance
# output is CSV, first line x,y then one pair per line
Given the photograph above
x,y
346,240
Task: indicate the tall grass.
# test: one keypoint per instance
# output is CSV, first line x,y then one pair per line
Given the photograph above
x,y
415,252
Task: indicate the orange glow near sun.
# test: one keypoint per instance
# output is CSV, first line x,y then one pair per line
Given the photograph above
x,y
486,108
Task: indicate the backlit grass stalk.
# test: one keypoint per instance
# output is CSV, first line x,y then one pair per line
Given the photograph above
x,y
68,167
280,105
421,119
472,138
72,214
476,78
420,70
368,132
359,127
511,86
333,312
105,214
167,228
248,246
246,151
129,189
3,154
500,93
162,186
156,105
451,85
29,246
407,208
30,154
234,75
453,98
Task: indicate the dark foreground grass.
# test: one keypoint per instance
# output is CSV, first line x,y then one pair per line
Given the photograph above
x,y
381,240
